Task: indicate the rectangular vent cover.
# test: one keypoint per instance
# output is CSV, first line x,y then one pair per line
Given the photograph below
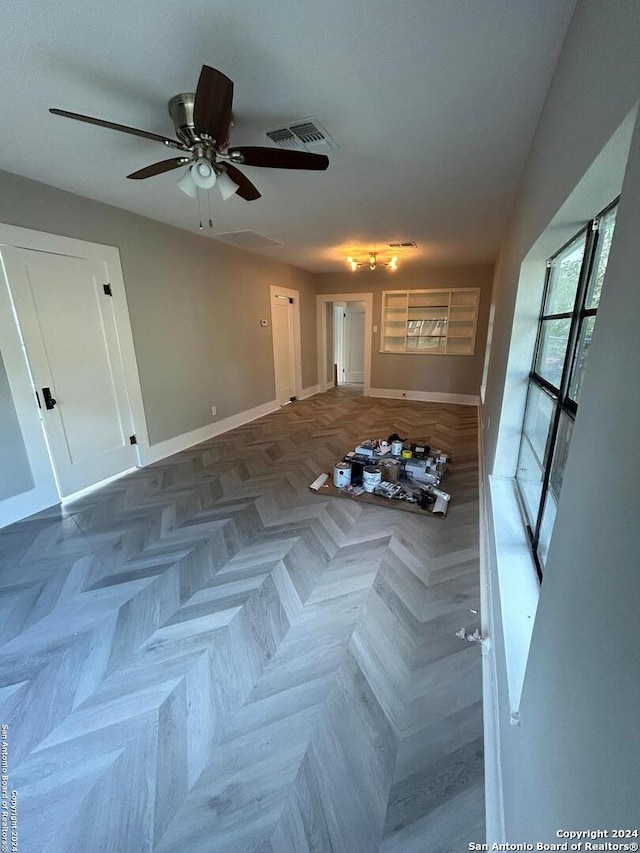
x,y
306,134
247,239
407,244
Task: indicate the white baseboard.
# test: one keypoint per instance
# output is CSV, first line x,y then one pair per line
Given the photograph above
x,y
309,392
426,396
82,493
23,505
324,386
159,451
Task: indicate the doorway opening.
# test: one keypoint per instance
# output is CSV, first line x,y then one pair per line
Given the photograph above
x,y
287,359
344,340
70,375
348,342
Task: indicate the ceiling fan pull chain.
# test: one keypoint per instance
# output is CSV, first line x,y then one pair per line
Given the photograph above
x,y
209,203
200,208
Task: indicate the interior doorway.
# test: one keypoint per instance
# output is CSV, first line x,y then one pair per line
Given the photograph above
x,y
285,324
344,333
348,342
70,339
70,366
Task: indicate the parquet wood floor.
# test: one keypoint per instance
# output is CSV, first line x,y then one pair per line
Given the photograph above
x,y
205,656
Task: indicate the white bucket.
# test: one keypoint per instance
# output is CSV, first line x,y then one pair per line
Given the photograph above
x,y
371,477
396,448
341,474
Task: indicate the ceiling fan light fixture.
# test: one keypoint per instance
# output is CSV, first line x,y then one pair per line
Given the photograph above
x,y
202,122
188,185
226,186
203,174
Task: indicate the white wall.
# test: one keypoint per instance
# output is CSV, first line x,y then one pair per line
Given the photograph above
x,y
15,471
443,374
195,306
573,762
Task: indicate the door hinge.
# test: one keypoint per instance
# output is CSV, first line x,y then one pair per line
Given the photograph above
x,y
133,439
107,289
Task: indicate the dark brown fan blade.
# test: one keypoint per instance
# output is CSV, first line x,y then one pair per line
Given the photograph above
x,y
246,189
171,143
159,168
212,105
275,158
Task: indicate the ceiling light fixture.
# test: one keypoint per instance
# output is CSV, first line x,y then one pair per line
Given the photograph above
x,y
226,186
203,175
188,185
373,263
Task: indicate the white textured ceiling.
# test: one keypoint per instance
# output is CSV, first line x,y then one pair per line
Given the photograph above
x,y
433,103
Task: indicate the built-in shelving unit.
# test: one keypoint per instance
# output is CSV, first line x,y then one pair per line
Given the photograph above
x,y
430,322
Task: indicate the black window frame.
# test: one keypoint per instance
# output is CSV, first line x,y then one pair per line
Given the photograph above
x,y
560,395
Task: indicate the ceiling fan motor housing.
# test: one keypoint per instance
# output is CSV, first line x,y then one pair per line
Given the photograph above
x,y
181,112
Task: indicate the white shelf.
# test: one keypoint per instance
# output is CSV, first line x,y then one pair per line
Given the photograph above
x,y
430,322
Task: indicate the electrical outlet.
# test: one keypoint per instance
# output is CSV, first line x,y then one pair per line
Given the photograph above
x,y
213,411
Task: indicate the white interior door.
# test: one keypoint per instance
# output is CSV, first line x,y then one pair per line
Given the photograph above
x,y
338,340
353,347
282,320
71,341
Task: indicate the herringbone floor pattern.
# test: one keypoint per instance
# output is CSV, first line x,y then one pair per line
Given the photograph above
x,y
205,656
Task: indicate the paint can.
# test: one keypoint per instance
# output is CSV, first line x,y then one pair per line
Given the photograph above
x,y
396,448
356,472
341,474
390,470
371,477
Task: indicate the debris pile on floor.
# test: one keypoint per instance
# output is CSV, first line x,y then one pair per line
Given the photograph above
x,y
390,472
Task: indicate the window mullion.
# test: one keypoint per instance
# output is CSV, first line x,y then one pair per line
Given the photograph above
x,y
544,301
576,320
548,458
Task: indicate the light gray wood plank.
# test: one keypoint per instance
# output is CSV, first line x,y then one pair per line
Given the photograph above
x,y
206,656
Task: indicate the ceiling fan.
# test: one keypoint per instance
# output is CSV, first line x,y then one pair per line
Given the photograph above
x,y
203,123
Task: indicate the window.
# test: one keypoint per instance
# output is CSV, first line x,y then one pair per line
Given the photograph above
x,y
570,303
430,322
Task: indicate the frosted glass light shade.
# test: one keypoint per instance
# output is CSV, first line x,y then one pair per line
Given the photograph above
x,y
203,174
226,186
187,184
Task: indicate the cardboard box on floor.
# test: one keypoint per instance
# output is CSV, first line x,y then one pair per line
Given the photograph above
x,y
328,489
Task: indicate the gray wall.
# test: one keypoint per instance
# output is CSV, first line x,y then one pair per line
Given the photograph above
x,y
195,306
574,761
15,472
442,373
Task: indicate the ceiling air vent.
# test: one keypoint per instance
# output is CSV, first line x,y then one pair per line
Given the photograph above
x,y
407,244
306,134
247,239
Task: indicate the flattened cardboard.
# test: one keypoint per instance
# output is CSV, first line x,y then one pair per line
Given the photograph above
x,y
377,500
